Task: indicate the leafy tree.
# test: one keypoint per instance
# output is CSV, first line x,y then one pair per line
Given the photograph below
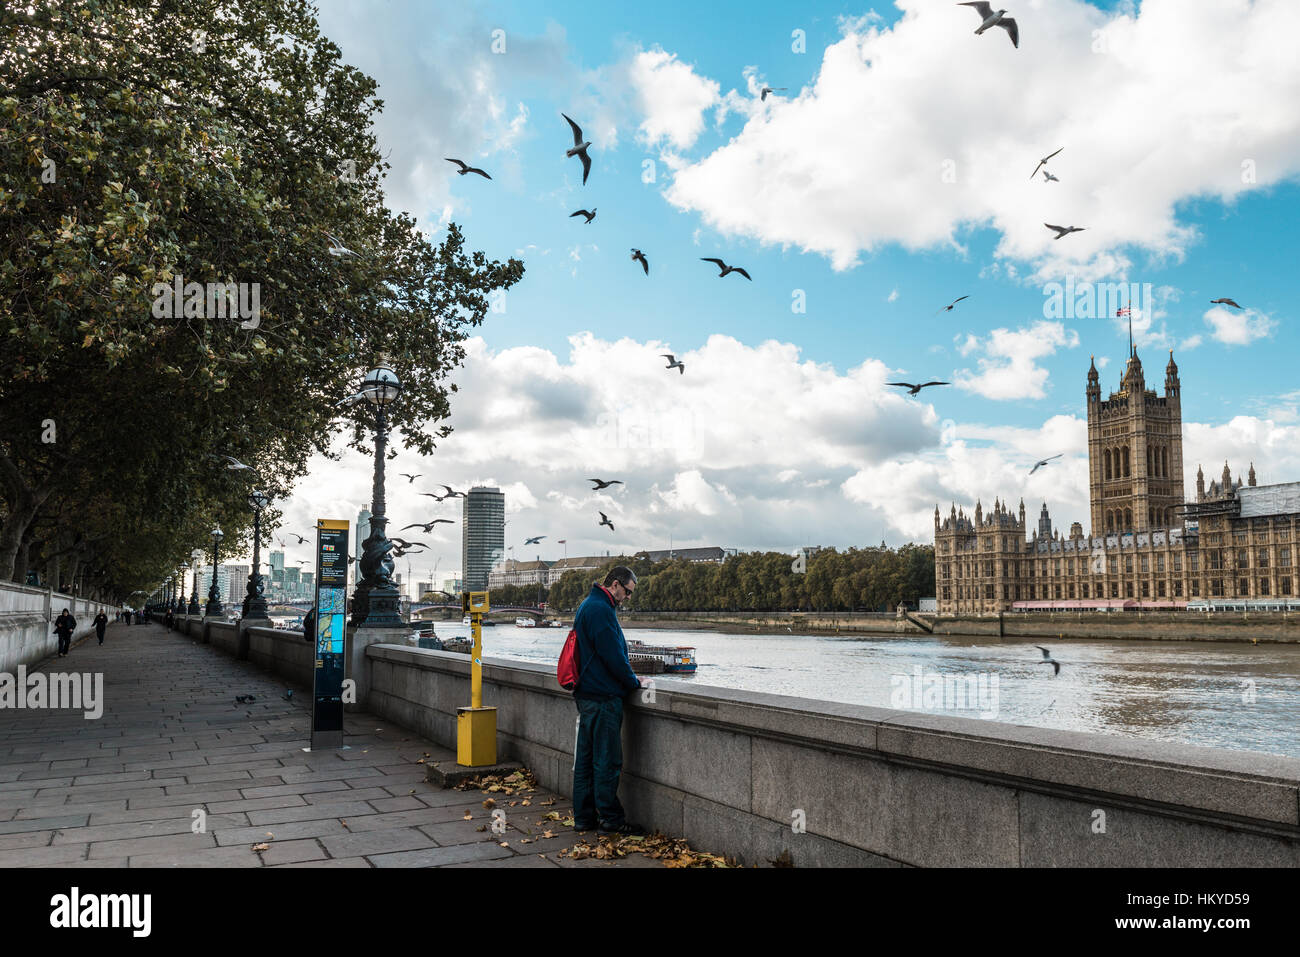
x,y
146,141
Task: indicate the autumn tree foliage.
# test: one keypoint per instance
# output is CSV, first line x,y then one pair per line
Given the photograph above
x,y
142,141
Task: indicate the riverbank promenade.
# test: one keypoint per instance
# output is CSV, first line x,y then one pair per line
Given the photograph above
x,y
176,773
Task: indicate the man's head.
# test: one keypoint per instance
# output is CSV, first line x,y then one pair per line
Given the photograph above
x,y
621,582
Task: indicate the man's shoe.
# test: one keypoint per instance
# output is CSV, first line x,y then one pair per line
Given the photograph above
x,y
583,828
623,830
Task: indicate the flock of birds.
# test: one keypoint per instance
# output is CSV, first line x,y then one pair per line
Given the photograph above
x,y
989,18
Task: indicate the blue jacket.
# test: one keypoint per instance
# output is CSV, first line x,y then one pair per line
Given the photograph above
x,y
603,668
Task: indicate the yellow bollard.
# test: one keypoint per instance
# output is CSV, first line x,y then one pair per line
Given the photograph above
x,y
476,726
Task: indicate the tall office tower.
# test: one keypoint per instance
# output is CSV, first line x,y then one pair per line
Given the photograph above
x,y
236,583
275,586
293,583
362,533
483,535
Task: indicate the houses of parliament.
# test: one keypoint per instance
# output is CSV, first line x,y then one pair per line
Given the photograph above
x,y
1147,547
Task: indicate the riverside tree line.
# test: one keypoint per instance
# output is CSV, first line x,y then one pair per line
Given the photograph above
x,y
859,579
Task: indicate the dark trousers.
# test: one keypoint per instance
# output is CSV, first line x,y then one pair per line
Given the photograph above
x,y
100,632
598,763
65,642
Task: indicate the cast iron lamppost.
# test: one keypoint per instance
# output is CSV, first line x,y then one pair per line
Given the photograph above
x,y
194,595
254,601
180,589
377,600
214,609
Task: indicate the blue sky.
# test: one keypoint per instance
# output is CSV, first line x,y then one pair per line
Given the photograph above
x,y
836,189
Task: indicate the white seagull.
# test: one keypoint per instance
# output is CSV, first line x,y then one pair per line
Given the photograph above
x,y
673,363
579,149
1049,660
338,249
1064,230
1043,162
1042,463
991,19
604,520
1049,178
769,89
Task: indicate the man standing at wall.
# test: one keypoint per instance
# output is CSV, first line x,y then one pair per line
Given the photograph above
x,y
605,676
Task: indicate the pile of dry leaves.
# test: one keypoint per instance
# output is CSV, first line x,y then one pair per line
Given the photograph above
x,y
520,782
672,852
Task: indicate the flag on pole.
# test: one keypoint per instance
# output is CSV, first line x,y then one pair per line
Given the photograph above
x,y
1125,311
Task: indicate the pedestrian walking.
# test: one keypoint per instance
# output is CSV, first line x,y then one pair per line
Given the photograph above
x,y
169,620
309,624
64,626
605,678
101,622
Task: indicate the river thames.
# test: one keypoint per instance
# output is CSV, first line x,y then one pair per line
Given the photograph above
x,y
1215,694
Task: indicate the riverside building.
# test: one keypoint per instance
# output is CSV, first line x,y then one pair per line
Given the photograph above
x,y
1148,547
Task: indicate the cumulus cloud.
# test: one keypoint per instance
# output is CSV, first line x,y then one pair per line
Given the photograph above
x,y
883,147
672,97
1008,368
1238,327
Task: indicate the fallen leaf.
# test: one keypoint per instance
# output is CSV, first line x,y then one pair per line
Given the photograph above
x,y
525,802
469,816
481,827
504,844
525,840
548,834
552,816
261,847
490,803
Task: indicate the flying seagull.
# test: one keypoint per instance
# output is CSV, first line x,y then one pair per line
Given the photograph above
x,y
1064,230
992,19
405,544
338,249
408,476
1049,660
948,308
590,214
604,520
1226,302
466,168
301,538
235,464
639,256
914,389
533,541
579,149
726,270
674,364
1049,178
769,89
1043,162
600,484
453,494
1041,463
425,527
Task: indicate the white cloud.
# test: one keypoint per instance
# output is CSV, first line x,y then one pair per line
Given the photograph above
x,y
1191,342
1235,327
858,158
672,97
1008,368
893,296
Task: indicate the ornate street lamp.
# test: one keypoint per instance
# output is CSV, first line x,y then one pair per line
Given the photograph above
x,y
180,589
254,601
377,600
194,595
214,608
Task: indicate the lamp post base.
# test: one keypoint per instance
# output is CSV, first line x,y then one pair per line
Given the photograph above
x,y
384,608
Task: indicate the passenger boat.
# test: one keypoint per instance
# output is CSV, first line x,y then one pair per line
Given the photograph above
x,y
525,622
660,659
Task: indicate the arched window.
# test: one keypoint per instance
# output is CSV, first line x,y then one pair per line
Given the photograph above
x,y
1164,461
1110,521
1151,464
1128,516
1126,465
1105,458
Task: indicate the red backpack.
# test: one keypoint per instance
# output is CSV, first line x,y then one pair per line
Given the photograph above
x,y
566,672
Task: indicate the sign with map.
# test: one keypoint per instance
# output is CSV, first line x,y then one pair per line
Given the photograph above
x,y
331,630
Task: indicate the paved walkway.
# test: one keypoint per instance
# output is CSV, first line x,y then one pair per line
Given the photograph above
x,y
122,791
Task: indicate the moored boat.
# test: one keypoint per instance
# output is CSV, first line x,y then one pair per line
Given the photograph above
x,y
525,622
660,659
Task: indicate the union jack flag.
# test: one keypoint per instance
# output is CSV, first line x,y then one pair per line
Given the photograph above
x,y
1124,311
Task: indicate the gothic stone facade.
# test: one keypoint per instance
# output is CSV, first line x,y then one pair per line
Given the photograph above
x,y
1147,545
